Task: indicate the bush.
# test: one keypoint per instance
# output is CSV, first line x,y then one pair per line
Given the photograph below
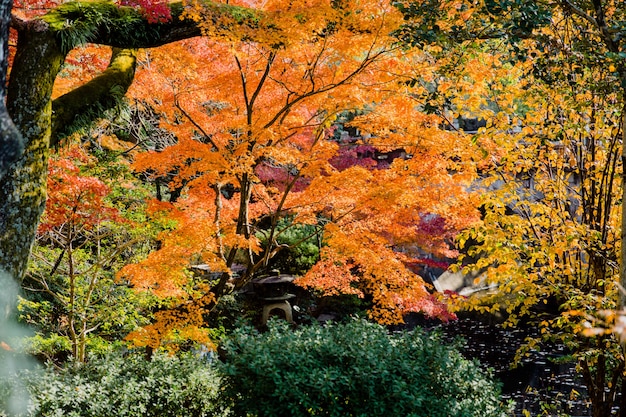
x,y
165,386
302,247
354,369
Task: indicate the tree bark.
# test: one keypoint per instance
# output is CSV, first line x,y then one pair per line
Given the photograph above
x,y
23,189
101,93
622,269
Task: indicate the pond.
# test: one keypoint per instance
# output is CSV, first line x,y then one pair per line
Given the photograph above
x,y
541,384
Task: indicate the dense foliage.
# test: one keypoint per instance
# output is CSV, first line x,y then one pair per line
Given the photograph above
x,y
130,386
353,369
252,130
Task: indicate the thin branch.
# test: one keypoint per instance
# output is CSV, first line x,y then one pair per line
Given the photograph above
x,y
193,122
266,72
364,64
569,6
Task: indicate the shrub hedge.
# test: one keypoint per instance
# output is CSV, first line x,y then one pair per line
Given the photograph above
x,y
339,370
353,369
123,386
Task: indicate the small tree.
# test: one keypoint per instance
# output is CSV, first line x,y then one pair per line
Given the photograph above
x,y
71,291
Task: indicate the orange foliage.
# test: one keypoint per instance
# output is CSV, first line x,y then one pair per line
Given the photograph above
x,y
263,104
73,199
172,326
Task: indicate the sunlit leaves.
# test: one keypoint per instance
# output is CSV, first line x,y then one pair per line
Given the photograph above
x,y
74,198
254,116
549,239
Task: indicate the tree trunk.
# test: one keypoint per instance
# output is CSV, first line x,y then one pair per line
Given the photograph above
x,y
11,143
101,93
23,189
622,269
621,302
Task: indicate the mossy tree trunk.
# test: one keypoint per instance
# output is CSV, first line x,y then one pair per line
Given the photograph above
x,y
27,121
23,189
101,93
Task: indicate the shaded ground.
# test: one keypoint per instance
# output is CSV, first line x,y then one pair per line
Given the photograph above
x,y
540,385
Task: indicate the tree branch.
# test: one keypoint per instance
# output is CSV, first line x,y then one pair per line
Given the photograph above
x,y
106,23
571,7
101,93
125,29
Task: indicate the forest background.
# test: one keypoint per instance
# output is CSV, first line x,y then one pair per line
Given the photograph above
x,y
321,139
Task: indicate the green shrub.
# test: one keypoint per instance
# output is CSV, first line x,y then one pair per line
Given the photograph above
x,y
354,369
302,249
165,386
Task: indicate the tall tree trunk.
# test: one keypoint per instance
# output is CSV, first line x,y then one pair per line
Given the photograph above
x,y
621,300
622,269
11,143
23,189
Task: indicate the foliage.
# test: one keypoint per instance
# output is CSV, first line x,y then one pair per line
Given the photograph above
x,y
550,236
356,369
301,247
87,232
123,386
450,23
153,11
254,116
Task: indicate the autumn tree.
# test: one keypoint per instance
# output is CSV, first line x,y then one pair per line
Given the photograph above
x,y
253,120
71,295
43,43
551,235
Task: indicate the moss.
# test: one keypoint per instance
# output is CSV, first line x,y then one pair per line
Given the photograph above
x,y
80,22
104,22
23,188
22,199
243,15
87,103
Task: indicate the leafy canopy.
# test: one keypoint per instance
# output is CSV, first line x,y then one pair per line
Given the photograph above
x,y
253,118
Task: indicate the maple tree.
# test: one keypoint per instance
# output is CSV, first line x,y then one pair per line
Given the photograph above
x,y
253,121
46,40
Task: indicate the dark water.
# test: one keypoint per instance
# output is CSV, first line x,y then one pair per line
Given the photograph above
x,y
541,384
